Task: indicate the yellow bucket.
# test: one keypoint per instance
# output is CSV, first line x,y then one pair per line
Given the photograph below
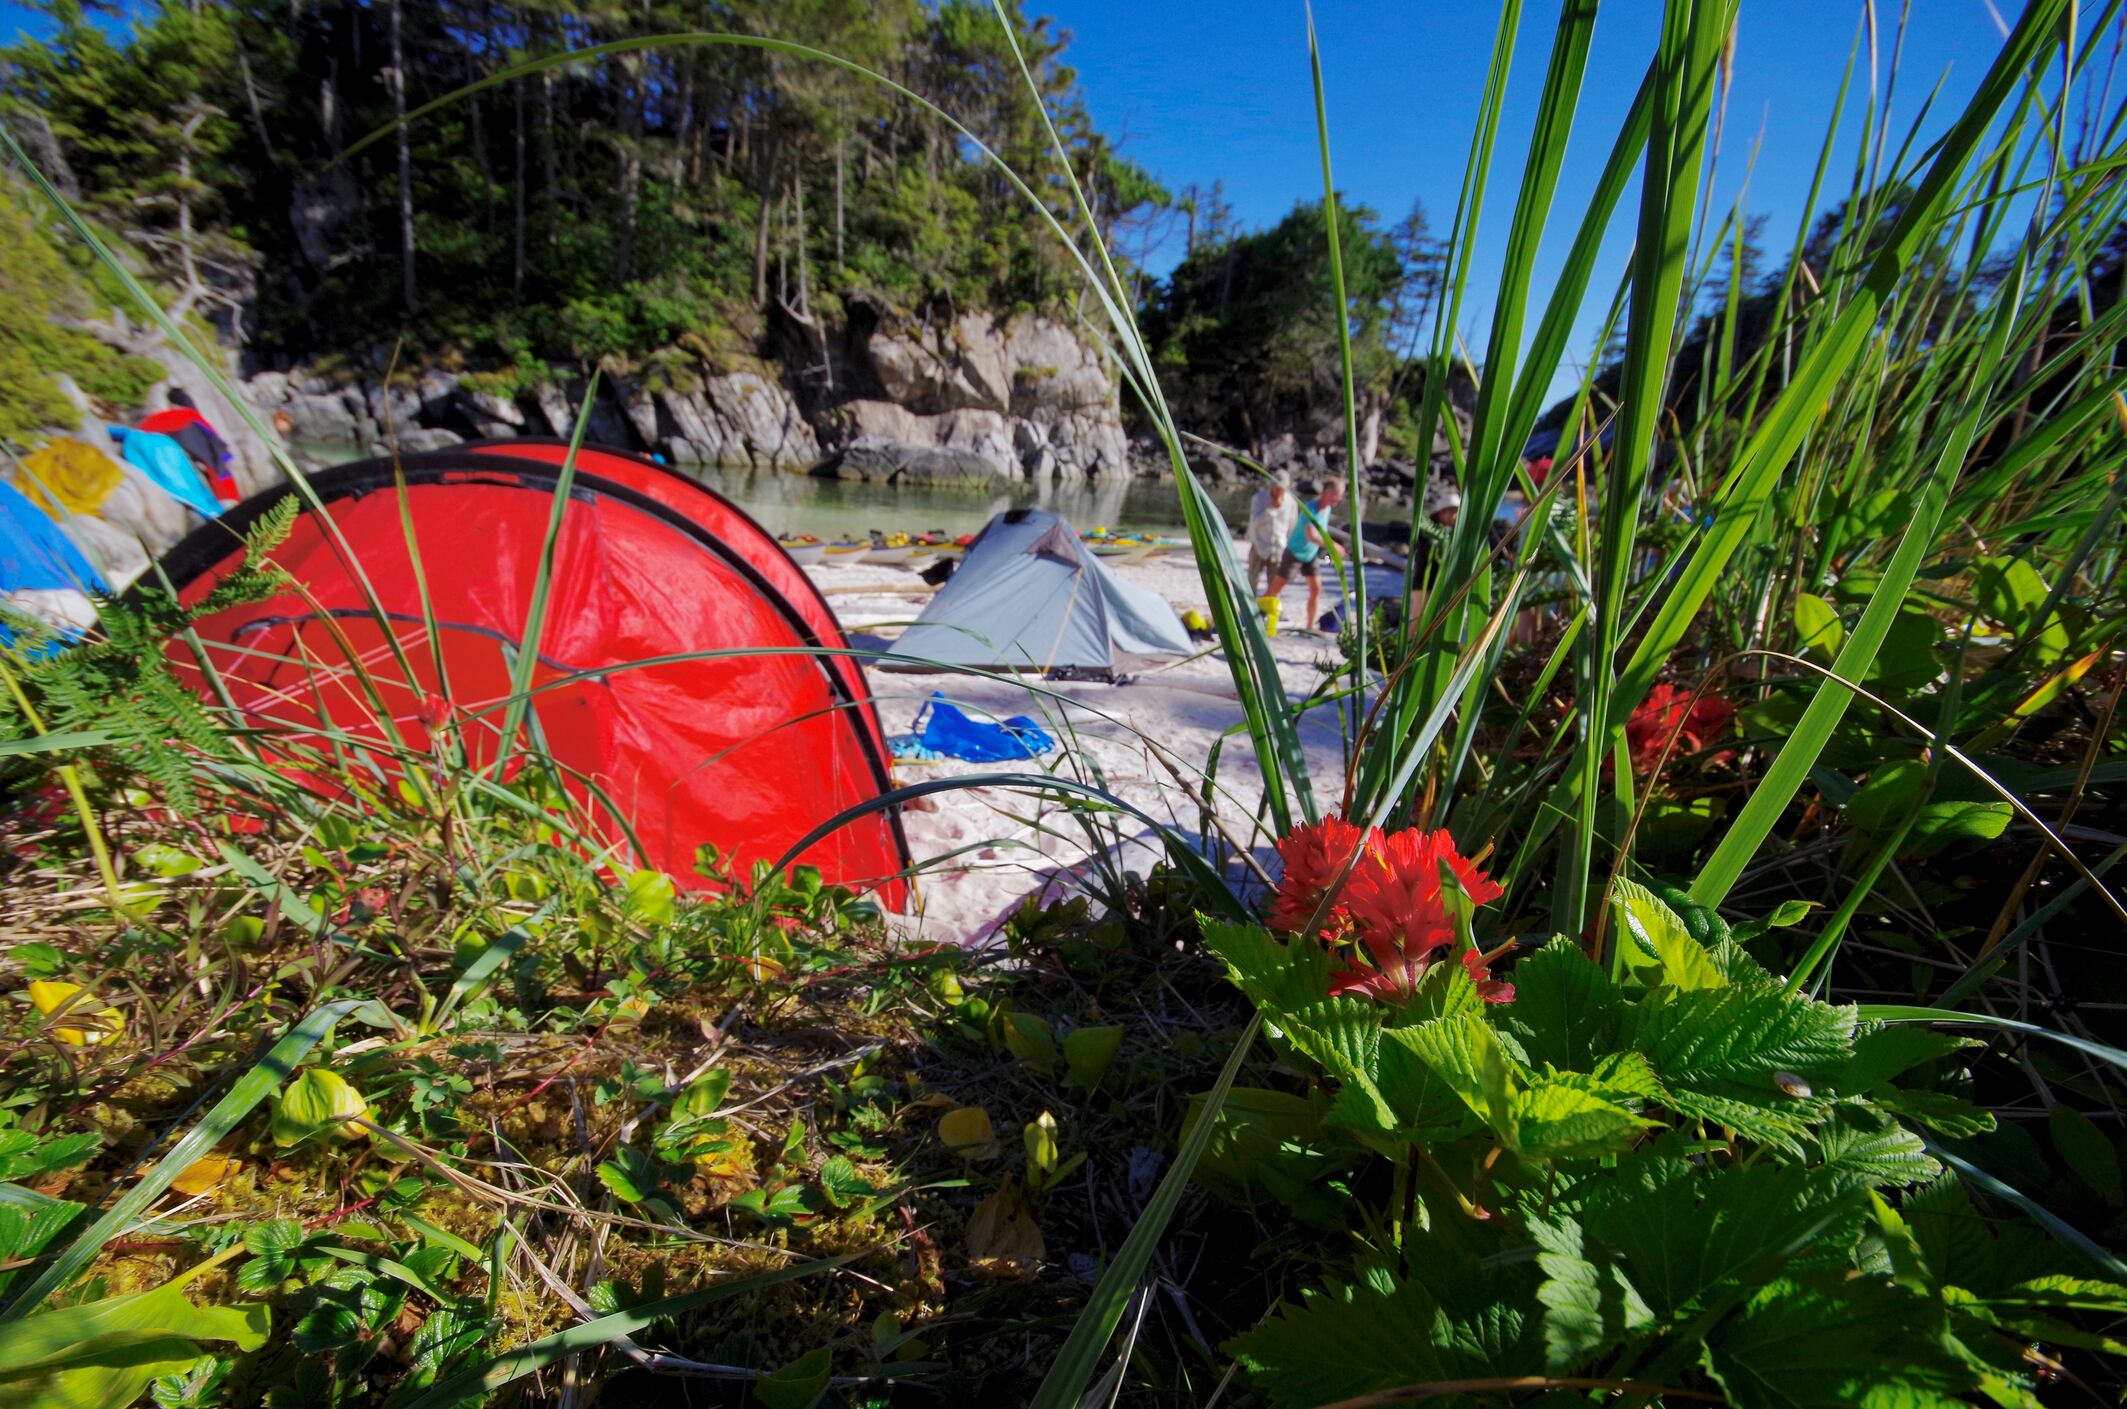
x,y
1270,608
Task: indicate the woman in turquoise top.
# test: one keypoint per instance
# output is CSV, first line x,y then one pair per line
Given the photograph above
x,y
1303,551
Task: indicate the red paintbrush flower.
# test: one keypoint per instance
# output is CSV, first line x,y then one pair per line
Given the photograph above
x,y
1402,915
1669,711
1314,853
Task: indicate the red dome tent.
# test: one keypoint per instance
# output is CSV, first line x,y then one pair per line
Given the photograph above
x,y
747,752
712,511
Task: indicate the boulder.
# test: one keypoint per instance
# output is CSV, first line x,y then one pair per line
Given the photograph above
x,y
763,420
414,440
396,408
555,408
639,406
267,390
321,420
116,554
1053,367
882,441
437,392
739,418
1036,371
491,416
143,510
1087,443
964,365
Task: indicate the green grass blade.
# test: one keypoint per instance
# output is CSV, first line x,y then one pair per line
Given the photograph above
x,y
1799,753
1355,495
1908,1013
251,1088
472,1384
535,618
1075,1365
2045,1217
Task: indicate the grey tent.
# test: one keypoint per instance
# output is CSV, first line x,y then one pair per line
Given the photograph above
x,y
1029,596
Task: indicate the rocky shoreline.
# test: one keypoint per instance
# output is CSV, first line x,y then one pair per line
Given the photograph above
x,y
978,402
974,401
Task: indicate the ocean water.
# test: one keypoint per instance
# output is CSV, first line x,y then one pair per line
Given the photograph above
x,y
830,508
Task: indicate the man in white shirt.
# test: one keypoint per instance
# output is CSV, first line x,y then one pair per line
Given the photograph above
x,y
1270,521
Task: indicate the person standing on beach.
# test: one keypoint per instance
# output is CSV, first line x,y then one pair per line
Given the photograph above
x,y
1270,520
1303,548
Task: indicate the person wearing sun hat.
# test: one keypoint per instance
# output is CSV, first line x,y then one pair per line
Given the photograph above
x,y
1270,518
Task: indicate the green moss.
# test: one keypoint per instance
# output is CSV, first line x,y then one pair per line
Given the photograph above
x,y
41,292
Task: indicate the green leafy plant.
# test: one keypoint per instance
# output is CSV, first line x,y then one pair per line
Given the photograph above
x,y
1685,1176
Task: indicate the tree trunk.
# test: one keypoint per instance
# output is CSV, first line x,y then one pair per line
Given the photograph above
x,y
760,234
487,173
683,137
517,189
838,200
258,118
397,78
42,144
804,283
631,168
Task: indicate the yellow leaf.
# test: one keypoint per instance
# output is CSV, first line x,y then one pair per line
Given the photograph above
x,y
1040,1137
82,1019
1003,1228
203,1176
968,1131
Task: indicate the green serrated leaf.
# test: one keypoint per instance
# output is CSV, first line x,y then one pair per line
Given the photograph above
x,y
1686,1229
841,1184
1946,1115
1740,1035
1465,1054
1570,1116
1859,1143
1279,977
1589,1304
1344,1341
1836,1345
1659,948
1885,1051
1566,1011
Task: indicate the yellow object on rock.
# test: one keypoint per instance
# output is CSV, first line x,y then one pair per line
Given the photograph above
x,y
75,473
82,1019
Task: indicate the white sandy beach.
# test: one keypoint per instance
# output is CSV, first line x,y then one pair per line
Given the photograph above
x,y
990,847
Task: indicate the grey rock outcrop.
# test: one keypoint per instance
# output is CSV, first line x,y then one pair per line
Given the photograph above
x,y
1050,384
491,417
884,441
738,418
977,399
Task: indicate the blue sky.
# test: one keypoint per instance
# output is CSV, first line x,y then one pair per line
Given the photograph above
x,y
1206,90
